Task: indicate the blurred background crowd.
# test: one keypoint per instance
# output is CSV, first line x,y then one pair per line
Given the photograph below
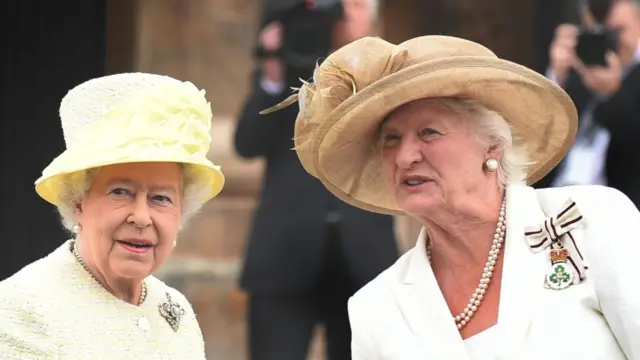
x,y
270,263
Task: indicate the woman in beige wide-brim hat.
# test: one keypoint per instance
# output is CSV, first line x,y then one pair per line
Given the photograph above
x,y
134,171
440,129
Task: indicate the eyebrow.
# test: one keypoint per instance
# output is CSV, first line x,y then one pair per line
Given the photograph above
x,y
382,124
129,182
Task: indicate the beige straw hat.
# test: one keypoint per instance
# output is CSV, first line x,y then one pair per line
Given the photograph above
x,y
361,83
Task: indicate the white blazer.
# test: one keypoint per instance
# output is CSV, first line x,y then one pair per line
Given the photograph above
x,y
402,315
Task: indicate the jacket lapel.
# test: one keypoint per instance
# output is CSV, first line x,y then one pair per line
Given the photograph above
x,y
523,272
425,310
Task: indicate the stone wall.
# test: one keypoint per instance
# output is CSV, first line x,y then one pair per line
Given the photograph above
x,y
506,27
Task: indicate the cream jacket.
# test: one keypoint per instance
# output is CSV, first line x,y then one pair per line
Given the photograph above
x,y
402,315
53,309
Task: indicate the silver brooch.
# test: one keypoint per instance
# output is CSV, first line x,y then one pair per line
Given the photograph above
x,y
172,312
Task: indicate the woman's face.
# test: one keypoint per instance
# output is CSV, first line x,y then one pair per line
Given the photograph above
x,y
130,217
430,157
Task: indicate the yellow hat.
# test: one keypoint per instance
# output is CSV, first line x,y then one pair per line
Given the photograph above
x,y
130,118
361,83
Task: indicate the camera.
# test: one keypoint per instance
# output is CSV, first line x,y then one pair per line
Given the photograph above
x,y
307,33
594,43
596,40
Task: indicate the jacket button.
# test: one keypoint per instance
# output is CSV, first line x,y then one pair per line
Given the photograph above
x,y
143,323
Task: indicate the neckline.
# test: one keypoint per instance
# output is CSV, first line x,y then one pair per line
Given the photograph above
x,y
92,285
481,335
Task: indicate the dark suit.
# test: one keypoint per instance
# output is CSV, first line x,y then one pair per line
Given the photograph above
x,y
308,251
620,115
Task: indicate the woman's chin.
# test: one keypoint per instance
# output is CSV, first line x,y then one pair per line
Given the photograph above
x,y
136,271
417,204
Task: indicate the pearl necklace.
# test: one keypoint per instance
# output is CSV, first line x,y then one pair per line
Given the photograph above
x,y
76,254
470,310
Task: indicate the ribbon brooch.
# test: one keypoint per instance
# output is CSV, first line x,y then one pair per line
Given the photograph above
x,y
172,312
566,259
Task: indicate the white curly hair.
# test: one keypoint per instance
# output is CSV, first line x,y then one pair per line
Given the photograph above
x,y
494,132
77,184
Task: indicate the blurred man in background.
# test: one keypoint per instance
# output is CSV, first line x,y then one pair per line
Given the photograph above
x,y
308,251
598,64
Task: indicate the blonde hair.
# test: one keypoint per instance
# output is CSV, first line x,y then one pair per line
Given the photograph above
x,y
77,184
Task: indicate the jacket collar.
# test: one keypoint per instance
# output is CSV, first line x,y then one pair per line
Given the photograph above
x,y
426,312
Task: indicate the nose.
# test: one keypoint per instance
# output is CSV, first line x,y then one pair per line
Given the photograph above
x,y
408,153
140,216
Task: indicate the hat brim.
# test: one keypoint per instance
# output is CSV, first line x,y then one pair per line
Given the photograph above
x,y
345,154
50,185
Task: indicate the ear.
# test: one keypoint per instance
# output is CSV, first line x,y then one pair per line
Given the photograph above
x,y
78,211
494,152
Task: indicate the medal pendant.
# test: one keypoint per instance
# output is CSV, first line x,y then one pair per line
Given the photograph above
x,y
560,275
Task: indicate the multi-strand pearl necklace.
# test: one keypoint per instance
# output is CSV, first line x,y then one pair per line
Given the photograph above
x,y
465,316
76,254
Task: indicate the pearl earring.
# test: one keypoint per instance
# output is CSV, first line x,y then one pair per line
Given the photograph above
x,y
491,164
76,228
175,242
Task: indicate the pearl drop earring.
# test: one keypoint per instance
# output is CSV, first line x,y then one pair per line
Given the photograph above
x,y
76,228
491,164
175,242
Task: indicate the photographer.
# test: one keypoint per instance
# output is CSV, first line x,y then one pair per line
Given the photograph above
x,y
607,95
308,252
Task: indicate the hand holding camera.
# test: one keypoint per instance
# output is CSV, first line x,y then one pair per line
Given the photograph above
x,y
297,37
270,39
591,52
597,62
562,51
604,80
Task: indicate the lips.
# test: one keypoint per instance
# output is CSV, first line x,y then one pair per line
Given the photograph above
x,y
140,244
136,246
414,180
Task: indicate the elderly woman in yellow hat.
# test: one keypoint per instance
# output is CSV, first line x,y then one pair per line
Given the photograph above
x,y
134,171
442,130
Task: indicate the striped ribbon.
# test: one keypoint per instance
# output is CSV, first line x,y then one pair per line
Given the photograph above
x,y
558,229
